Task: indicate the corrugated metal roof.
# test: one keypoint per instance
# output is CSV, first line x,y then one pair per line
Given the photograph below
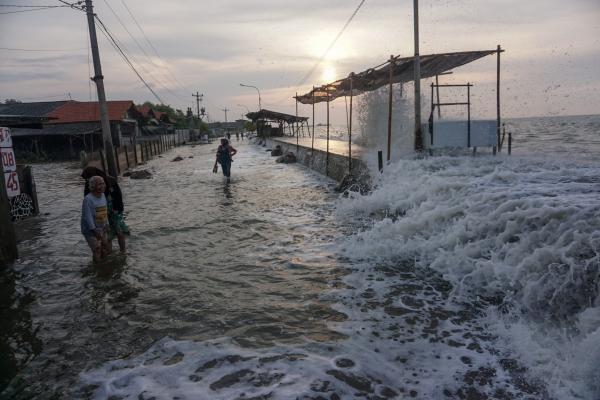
x,y
275,116
36,109
374,78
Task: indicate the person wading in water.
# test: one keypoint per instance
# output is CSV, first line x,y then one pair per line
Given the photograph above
x,y
225,152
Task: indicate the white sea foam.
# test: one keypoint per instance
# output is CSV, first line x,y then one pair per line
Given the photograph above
x,y
524,232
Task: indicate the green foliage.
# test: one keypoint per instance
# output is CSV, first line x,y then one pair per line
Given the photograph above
x,y
249,126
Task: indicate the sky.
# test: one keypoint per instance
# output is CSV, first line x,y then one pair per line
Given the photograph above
x,y
551,65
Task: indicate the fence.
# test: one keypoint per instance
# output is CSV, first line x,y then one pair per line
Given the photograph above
x,y
142,150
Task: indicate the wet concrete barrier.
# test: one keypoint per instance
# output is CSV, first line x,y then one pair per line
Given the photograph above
x,y
334,166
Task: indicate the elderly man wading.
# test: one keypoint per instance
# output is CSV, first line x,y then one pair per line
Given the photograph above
x,y
94,219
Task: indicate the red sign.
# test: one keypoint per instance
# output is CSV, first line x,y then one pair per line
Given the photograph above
x,y
8,159
12,184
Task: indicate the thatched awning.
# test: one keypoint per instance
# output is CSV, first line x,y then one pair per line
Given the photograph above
x,y
275,116
374,78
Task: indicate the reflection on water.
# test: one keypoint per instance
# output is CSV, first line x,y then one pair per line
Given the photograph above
x,y
206,259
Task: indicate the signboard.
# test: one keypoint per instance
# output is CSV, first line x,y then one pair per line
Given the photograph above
x,y
455,134
11,179
5,138
9,163
8,159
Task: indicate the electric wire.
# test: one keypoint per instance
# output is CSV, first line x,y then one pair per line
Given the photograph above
x,y
320,60
179,96
152,46
30,9
112,40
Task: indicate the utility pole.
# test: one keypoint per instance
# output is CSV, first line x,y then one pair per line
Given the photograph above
x,y
99,80
198,97
225,110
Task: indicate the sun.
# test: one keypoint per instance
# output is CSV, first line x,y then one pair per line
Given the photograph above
x,y
329,74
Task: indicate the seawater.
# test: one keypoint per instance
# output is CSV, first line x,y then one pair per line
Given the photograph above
x,y
456,277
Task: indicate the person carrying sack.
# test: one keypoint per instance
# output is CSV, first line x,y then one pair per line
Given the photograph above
x,y
225,152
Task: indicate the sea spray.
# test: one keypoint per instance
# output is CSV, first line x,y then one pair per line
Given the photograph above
x,y
520,235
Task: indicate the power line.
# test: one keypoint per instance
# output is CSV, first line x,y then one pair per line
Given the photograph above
x,y
30,9
50,50
152,46
24,6
320,60
312,70
118,48
143,51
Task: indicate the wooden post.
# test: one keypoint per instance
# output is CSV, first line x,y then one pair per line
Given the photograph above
x,y
437,89
509,143
8,239
417,80
327,157
468,114
499,50
312,146
127,156
380,160
117,161
391,98
297,130
102,160
350,125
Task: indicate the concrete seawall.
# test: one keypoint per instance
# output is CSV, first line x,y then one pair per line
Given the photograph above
x,y
316,159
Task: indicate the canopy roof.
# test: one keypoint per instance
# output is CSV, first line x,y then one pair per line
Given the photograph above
x,y
275,116
376,77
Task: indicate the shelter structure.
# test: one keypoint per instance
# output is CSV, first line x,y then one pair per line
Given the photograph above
x,y
402,70
286,123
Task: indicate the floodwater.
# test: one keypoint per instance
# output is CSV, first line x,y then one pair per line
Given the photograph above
x,y
245,260
456,277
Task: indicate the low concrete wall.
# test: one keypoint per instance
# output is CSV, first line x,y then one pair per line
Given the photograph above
x,y
317,160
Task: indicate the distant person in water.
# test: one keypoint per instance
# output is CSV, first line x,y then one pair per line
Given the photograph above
x,y
242,135
237,136
94,218
114,199
225,152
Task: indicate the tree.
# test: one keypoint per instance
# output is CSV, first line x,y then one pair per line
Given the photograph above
x,y
12,101
249,126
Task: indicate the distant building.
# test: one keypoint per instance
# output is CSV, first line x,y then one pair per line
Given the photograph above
x,y
71,127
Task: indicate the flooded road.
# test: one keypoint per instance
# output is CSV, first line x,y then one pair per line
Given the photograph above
x,y
275,287
206,259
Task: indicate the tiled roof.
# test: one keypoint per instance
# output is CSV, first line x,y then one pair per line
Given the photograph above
x,y
75,111
146,111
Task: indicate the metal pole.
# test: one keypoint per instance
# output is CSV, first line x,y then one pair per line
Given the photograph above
x,y
99,80
417,80
498,95
350,126
391,97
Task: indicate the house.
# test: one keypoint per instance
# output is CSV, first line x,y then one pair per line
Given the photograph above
x,y
71,127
